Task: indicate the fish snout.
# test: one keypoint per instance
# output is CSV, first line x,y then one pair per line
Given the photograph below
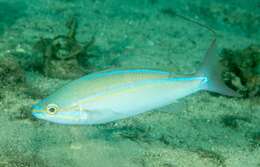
x,y
37,114
37,111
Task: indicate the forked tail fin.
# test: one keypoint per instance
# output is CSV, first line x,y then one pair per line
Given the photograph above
x,y
211,69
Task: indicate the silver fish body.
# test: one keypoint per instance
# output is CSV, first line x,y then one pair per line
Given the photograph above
x,y
112,95
107,96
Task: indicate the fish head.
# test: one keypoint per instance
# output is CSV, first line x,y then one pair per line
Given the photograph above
x,y
57,113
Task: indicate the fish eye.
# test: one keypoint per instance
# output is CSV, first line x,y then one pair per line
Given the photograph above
x,y
52,108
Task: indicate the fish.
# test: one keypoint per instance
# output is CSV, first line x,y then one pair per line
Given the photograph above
x,y
112,95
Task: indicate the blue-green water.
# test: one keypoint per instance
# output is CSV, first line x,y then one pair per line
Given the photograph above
x,y
203,129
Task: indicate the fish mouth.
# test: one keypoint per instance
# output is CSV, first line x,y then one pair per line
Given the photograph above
x,y
37,111
38,115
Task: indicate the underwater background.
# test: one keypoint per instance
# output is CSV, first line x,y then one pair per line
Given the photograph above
x,y
45,44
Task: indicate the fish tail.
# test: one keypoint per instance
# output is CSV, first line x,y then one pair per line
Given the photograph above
x,y
211,69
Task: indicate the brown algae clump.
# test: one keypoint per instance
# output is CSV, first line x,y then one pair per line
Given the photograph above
x,y
62,54
242,70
